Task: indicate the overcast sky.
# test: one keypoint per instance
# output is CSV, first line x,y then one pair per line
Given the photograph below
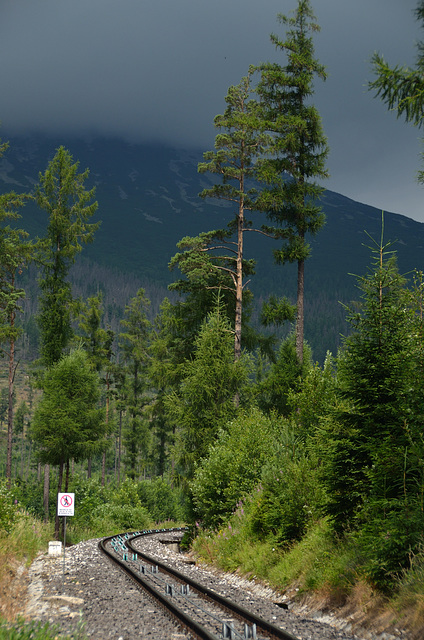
x,y
160,70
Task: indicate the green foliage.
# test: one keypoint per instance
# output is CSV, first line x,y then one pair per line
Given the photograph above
x,y
61,193
284,377
290,498
318,562
22,630
374,377
205,401
15,253
162,501
67,422
215,259
402,88
297,150
97,340
109,519
123,512
233,466
8,508
370,443
390,531
89,495
134,345
314,399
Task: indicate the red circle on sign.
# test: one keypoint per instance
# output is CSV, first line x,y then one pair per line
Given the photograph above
x,y
66,501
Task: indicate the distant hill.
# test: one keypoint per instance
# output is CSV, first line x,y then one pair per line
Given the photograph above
x,y
148,200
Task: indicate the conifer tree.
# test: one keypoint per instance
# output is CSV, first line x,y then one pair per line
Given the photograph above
x,y
134,345
402,88
374,373
215,259
15,253
298,149
61,193
165,353
204,401
98,344
371,449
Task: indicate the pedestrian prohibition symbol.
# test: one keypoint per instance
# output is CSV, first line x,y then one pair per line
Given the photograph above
x,y
65,504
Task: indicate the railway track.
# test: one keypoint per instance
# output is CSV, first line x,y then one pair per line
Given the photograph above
x,y
202,612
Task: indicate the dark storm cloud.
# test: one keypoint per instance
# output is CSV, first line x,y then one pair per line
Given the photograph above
x,y
160,69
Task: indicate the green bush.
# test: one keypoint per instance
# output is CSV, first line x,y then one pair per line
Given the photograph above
x,y
109,519
162,501
390,533
290,498
89,496
8,508
233,467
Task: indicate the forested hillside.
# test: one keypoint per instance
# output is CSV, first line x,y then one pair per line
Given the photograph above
x,y
148,199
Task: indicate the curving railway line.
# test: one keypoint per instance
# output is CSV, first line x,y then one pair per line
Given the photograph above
x,y
202,612
108,586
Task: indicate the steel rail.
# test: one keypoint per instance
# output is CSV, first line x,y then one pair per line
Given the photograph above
x,y
197,629
266,627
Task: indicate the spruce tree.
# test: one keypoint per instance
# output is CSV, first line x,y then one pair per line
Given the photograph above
x,y
374,374
61,193
298,149
402,88
204,402
371,448
134,345
98,344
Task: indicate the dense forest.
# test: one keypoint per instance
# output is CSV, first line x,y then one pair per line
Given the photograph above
x,y
192,405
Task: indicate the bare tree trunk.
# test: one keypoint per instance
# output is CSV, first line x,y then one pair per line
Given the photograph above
x,y
119,446
10,406
67,476
46,492
59,490
28,464
239,280
22,451
107,422
300,309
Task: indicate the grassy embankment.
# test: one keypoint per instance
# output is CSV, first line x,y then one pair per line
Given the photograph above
x,y
322,572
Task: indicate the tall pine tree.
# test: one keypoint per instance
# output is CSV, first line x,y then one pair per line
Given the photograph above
x,y
61,193
216,258
298,150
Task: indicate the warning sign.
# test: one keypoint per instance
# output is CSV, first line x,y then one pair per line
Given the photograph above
x,y
65,504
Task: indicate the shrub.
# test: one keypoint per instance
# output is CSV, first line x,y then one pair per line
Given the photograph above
x,y
162,501
290,499
89,496
233,467
8,508
390,532
109,519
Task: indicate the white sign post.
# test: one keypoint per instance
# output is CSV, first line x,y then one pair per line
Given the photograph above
x,y
65,507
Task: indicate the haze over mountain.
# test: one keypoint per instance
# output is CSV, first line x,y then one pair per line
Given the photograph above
x,y
148,200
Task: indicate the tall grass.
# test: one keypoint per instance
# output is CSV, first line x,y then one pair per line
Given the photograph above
x,y
320,567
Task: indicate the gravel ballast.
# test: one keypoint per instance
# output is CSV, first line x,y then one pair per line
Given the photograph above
x,y
90,593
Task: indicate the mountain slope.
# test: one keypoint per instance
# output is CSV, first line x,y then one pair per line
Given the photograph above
x,y
148,200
